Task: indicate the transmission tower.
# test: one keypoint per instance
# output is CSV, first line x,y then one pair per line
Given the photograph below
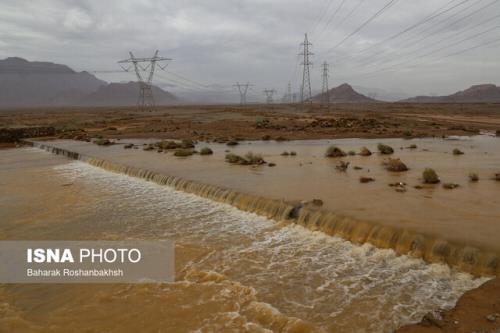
x,y
305,91
146,100
289,92
243,88
269,95
325,93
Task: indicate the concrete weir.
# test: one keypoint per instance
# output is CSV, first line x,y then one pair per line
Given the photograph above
x,y
432,249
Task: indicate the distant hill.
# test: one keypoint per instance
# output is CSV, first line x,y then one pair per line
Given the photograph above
x,y
483,93
344,94
124,94
29,84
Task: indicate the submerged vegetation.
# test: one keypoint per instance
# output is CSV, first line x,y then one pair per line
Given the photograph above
x,y
334,151
473,177
103,142
249,159
395,164
183,152
365,152
430,176
342,166
364,180
457,151
206,151
385,149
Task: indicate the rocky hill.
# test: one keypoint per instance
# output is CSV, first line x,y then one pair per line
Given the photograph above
x,y
344,94
31,84
484,93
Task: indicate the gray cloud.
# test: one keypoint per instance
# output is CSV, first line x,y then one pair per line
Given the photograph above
x,y
220,42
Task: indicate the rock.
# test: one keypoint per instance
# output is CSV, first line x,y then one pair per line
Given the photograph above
x,y
385,149
450,186
433,319
492,317
272,164
366,179
430,176
317,202
395,165
232,143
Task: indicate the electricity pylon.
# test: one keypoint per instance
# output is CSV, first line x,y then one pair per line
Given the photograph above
x,y
146,100
289,92
269,95
243,88
325,94
305,91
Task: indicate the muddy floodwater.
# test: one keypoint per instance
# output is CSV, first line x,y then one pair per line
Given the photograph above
x,y
469,215
237,271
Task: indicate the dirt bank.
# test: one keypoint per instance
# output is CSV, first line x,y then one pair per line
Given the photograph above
x,y
258,121
476,311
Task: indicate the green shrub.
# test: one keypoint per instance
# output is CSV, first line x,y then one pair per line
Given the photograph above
x,y
430,176
167,145
254,159
385,149
334,151
396,165
103,142
183,152
187,144
365,152
206,151
473,177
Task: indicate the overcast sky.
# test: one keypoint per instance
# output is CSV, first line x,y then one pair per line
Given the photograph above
x,y
223,41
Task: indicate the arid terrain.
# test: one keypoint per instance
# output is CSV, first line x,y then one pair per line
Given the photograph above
x,y
220,123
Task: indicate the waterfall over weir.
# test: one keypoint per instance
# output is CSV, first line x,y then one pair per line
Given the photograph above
x,y
431,249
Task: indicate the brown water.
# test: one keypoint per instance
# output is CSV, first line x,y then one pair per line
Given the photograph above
x,y
469,215
235,271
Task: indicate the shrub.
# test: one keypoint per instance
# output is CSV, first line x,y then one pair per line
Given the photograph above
x,y
407,133
430,176
249,159
183,152
450,186
457,151
206,151
168,145
334,151
187,144
498,133
473,177
254,159
272,164
292,153
234,159
413,146
148,148
342,166
232,143
285,153
396,165
497,177
351,153
364,180
103,142
128,146
385,149
365,152
266,137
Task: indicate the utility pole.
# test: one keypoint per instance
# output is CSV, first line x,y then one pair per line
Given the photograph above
x,y
146,100
269,95
325,94
305,91
242,88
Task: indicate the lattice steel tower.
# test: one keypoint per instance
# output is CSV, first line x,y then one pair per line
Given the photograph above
x,y
243,88
269,95
305,91
325,93
146,100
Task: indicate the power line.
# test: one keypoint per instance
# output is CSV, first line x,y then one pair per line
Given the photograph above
x,y
322,16
354,9
331,18
358,29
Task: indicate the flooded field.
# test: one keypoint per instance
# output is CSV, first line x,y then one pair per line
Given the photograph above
x,y
235,271
468,215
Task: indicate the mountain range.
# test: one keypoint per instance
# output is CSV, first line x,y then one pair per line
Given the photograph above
x,y
28,84
483,93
